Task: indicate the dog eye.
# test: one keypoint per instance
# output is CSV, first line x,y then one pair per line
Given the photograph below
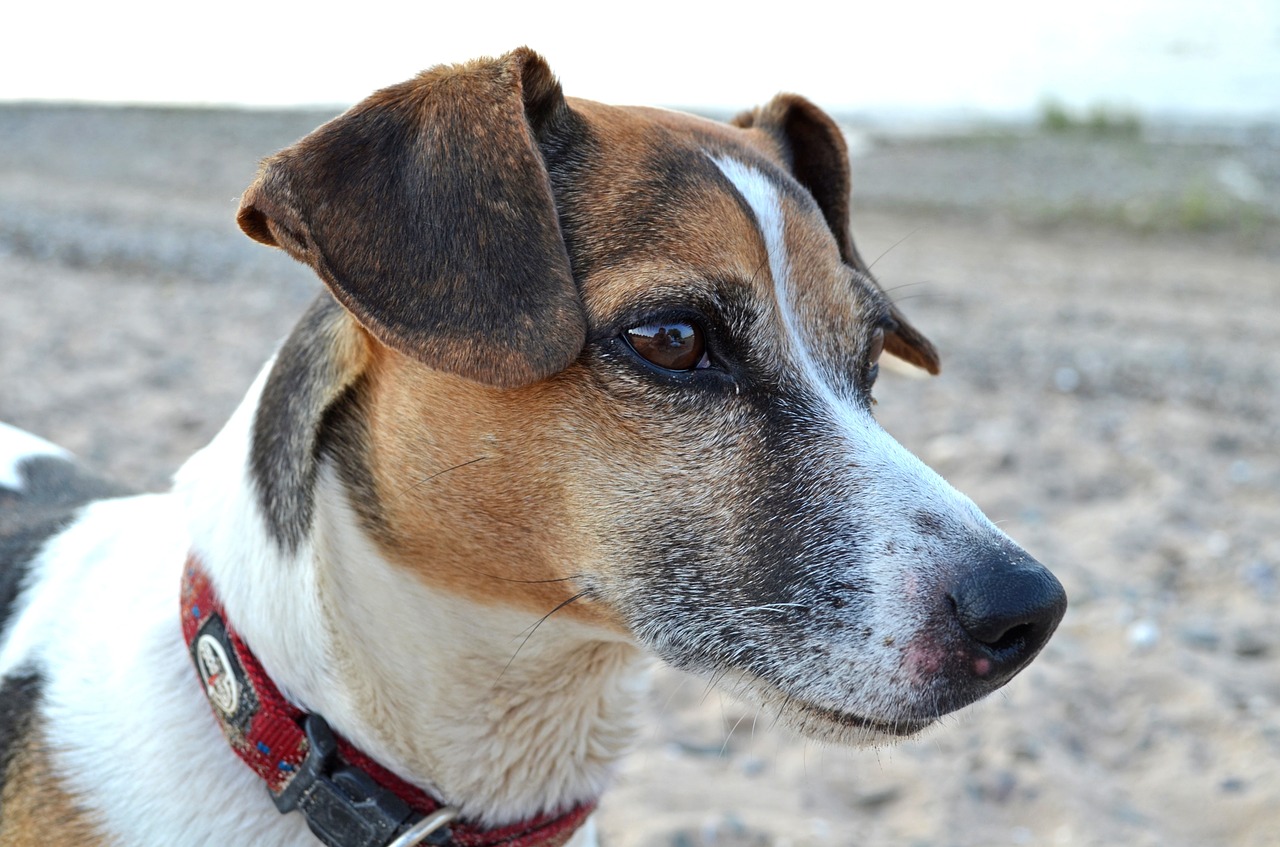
x,y
674,346
874,348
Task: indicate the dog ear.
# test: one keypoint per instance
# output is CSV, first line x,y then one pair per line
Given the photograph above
x,y
427,211
819,160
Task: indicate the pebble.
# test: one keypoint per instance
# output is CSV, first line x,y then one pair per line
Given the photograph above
x,y
1251,644
1261,577
726,830
1066,380
997,787
1217,544
1239,472
1201,636
1144,634
877,798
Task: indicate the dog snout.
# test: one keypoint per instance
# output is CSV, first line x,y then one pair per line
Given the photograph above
x,y
1007,605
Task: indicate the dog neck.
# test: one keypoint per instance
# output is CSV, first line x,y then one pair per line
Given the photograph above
x,y
452,696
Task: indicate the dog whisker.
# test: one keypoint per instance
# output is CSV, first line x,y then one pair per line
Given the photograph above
x,y
725,746
569,578
534,629
900,286
892,246
438,474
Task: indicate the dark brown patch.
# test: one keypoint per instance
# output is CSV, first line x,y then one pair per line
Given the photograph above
x,y
38,811
35,809
317,364
19,696
428,212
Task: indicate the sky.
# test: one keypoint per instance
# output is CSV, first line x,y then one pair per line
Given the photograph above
x,y
1190,58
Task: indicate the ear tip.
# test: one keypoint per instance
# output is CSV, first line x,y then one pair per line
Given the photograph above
x,y
539,88
905,342
929,359
253,221
527,55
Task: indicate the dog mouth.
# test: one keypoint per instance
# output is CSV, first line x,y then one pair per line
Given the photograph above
x,y
847,722
828,723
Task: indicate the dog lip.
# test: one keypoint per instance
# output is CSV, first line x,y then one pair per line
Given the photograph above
x,y
900,727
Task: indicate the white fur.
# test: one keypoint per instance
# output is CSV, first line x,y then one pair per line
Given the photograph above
x,y
16,446
125,716
449,688
272,601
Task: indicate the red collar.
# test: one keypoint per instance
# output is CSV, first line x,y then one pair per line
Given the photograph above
x,y
348,799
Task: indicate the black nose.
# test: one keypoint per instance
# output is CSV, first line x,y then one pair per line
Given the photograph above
x,y
1008,605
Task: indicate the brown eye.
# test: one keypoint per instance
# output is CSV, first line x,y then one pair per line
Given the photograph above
x,y
675,346
875,347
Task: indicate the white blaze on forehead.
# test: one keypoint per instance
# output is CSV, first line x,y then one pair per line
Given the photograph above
x,y
766,203
902,475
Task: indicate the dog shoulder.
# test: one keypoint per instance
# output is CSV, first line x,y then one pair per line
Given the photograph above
x,y
42,491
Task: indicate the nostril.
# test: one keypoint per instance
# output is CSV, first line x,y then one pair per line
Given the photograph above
x,y
1017,636
995,631
1009,611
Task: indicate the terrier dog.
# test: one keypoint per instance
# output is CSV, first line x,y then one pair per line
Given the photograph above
x,y
585,383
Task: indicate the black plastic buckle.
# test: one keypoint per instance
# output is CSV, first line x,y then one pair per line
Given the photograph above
x,y
343,806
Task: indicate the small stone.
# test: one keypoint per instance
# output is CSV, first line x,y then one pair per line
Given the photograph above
x,y
992,787
1027,750
1261,577
1239,472
1201,636
1250,644
1233,785
1066,380
1144,634
877,798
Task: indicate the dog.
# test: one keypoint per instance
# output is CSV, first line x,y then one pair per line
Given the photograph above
x,y
585,384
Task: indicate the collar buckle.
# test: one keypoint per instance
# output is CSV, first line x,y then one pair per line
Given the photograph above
x,y
343,805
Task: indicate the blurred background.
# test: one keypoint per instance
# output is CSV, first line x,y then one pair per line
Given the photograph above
x,y
1079,204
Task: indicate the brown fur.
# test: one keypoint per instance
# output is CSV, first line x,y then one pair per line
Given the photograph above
x,y
427,211
38,811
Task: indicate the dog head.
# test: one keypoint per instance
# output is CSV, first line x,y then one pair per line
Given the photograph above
x,y
620,360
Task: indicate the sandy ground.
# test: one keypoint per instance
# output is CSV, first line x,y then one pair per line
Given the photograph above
x,y
1108,311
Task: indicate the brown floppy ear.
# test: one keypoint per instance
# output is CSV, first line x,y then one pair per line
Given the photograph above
x,y
820,162
428,212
